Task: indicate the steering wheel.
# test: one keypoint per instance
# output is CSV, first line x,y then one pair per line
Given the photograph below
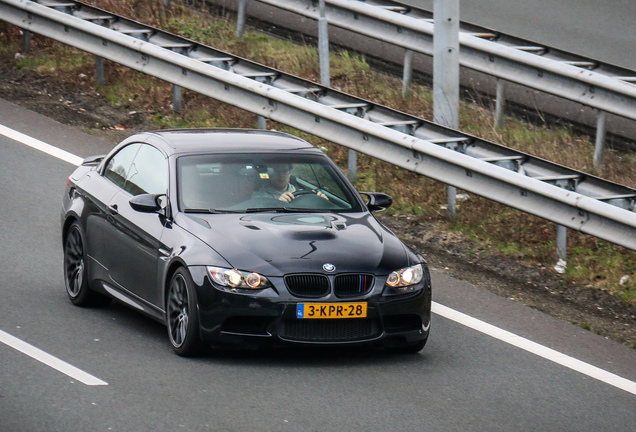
x,y
302,192
309,199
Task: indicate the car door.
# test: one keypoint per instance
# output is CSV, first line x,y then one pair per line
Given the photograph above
x,y
135,237
100,189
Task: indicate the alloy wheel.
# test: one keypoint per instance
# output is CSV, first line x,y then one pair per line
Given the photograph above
x,y
74,260
178,310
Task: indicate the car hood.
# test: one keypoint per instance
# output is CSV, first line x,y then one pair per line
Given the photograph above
x,y
275,244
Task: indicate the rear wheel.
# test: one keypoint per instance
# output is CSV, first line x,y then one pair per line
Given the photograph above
x,y
182,316
76,272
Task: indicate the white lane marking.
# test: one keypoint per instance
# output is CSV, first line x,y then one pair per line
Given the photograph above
x,y
40,145
50,360
535,348
451,314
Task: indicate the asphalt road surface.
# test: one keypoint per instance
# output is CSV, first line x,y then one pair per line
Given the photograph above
x,y
464,380
604,30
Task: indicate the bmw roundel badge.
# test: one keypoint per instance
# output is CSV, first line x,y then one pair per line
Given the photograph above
x,y
328,267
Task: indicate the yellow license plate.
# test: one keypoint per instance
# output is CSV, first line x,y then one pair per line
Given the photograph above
x,y
331,310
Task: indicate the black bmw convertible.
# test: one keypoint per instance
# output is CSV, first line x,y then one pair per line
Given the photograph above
x,y
243,237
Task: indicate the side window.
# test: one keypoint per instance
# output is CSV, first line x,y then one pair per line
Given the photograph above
x,y
119,165
148,173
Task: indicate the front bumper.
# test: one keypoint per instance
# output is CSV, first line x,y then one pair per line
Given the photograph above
x,y
268,317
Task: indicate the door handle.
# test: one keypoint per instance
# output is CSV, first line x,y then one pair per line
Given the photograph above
x,y
113,209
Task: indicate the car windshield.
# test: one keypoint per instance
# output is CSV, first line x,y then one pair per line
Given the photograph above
x,y
246,183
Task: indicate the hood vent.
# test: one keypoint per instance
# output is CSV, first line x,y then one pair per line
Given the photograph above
x,y
339,226
252,227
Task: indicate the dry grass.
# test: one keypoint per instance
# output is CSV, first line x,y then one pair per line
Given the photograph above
x,y
592,262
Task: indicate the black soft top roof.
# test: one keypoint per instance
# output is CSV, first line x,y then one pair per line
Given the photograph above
x,y
183,141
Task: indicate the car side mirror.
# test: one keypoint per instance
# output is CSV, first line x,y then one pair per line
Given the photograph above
x,y
377,201
148,203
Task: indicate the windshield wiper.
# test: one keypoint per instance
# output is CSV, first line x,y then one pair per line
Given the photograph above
x,y
209,211
306,210
266,209
285,209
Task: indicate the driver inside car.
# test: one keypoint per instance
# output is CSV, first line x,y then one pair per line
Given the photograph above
x,y
278,185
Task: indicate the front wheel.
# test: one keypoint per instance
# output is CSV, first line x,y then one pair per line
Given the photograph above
x,y
75,271
182,316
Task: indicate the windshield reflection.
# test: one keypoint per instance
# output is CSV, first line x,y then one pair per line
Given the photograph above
x,y
262,183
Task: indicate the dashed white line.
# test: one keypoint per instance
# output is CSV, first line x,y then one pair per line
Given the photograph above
x,y
40,145
535,348
451,314
49,360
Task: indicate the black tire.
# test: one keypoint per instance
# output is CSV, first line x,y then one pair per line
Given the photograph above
x,y
76,272
181,315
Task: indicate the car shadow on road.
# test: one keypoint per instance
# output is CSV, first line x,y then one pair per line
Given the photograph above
x,y
310,356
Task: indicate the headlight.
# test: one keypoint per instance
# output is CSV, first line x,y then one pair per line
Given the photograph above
x,y
405,277
234,278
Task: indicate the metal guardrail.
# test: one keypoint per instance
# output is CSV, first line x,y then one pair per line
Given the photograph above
x,y
608,88
553,192
599,85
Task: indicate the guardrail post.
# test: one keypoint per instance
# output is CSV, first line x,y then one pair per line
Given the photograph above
x,y
352,166
325,76
446,73
408,72
599,146
261,122
323,46
500,103
176,98
562,242
241,18
99,70
26,41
